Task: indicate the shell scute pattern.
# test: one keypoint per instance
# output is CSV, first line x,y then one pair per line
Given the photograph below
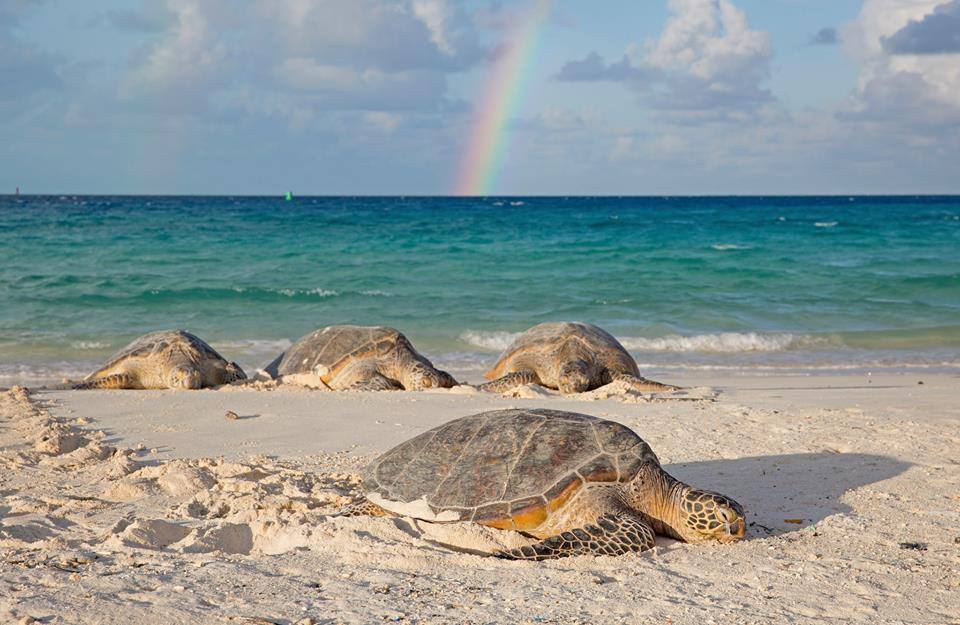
x,y
629,464
603,468
156,342
335,346
550,456
551,338
616,438
481,473
502,467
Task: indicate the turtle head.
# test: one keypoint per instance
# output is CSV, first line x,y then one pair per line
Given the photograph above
x,y
185,378
232,372
420,377
574,377
703,515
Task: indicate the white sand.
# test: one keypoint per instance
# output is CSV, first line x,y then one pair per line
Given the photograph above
x,y
153,507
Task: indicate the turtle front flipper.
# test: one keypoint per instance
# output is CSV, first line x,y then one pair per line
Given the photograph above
x,y
510,381
640,383
610,535
115,381
375,382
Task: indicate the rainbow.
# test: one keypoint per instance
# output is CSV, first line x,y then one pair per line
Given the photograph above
x,y
487,149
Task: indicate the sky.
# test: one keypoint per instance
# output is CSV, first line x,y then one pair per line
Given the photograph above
x,y
439,97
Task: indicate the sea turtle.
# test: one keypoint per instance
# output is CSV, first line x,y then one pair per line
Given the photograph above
x,y
365,358
579,484
573,357
165,359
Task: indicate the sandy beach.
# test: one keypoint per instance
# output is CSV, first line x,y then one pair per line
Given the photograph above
x,y
153,506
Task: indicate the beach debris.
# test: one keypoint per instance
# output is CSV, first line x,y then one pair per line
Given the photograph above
x,y
232,415
794,521
911,546
920,382
768,530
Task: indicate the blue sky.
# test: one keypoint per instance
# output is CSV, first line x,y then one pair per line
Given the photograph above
x,y
379,96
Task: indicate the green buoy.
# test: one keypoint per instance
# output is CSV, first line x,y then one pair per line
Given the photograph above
x,y
289,195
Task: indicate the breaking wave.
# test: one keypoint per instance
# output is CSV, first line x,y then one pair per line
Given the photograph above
x,y
728,342
494,341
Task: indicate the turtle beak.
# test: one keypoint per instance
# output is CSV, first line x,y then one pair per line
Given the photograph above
x,y
734,525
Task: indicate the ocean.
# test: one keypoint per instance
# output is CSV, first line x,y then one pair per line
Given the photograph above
x,y
759,284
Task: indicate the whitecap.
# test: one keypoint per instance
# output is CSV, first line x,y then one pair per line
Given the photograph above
x,y
316,291
376,293
825,224
723,247
517,203
497,340
725,342
255,346
89,344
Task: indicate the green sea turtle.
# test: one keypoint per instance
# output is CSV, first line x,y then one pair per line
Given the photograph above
x,y
364,358
570,356
579,484
166,359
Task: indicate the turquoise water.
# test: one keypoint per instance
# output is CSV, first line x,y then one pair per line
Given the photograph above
x,y
763,283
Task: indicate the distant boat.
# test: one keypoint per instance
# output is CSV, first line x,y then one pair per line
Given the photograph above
x,y
289,195
17,194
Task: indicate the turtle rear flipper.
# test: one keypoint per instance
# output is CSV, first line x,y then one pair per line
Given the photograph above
x,y
611,535
642,384
115,381
375,382
510,381
364,508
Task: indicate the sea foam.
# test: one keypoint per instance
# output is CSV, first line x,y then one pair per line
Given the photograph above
x,y
726,342
495,341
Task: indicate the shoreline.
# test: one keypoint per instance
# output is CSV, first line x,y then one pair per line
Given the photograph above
x,y
156,502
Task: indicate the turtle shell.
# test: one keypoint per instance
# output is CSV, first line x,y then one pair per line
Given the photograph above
x,y
506,468
548,338
157,342
330,348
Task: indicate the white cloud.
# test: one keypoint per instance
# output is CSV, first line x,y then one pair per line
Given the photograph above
x,y
710,40
187,57
708,63
339,54
894,85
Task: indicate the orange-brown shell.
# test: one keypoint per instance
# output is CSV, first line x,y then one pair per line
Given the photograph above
x,y
507,468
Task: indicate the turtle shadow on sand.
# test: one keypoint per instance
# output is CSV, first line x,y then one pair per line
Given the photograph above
x,y
800,487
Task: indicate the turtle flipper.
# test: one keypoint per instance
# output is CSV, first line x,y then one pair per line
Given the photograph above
x,y
510,381
115,381
364,508
375,382
640,383
610,535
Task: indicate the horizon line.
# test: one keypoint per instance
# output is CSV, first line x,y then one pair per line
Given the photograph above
x,y
281,196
